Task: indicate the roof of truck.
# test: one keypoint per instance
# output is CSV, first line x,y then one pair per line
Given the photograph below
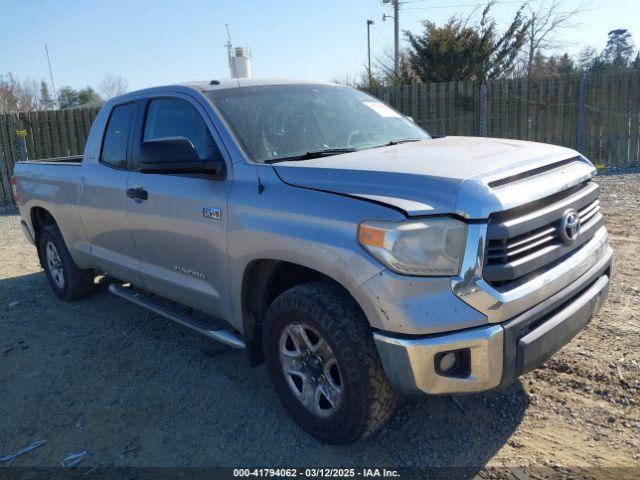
x,y
246,82
212,85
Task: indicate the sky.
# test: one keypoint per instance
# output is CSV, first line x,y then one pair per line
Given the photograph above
x,y
161,42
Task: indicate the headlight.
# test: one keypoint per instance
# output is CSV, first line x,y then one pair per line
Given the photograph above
x,y
433,246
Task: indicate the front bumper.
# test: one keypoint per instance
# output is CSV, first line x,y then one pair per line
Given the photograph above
x,y
502,351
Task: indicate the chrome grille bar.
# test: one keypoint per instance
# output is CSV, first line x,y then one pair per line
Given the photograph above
x,y
521,242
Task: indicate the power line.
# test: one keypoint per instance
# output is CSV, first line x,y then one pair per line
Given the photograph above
x,y
521,2
379,34
374,12
481,3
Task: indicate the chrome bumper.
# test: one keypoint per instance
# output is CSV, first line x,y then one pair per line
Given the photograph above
x,y
498,306
410,363
499,352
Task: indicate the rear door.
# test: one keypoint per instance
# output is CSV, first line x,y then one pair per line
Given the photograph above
x,y
180,228
103,205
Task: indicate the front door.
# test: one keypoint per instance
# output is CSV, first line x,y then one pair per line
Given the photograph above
x,y
180,226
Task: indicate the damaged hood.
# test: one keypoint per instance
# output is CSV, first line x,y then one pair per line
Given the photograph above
x,y
444,175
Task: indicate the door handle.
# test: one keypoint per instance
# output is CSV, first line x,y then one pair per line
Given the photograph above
x,y
138,193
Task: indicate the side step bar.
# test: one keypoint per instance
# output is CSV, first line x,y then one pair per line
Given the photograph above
x,y
150,303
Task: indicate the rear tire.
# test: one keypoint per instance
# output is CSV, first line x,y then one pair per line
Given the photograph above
x,y
65,278
335,387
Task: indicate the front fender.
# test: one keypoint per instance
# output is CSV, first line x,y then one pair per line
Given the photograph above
x,y
310,228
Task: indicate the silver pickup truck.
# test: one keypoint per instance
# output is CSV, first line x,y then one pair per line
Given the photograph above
x,y
329,236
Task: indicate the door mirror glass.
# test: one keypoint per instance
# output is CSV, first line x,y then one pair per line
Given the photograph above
x,y
176,155
176,139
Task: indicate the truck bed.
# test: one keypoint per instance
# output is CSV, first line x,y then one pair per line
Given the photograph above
x,y
48,183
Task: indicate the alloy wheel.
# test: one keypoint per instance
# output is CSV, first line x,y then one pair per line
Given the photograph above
x,y
54,264
311,369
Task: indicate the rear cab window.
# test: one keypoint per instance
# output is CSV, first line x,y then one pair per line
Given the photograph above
x,y
116,136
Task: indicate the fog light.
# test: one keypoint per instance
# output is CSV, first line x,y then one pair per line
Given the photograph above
x,y
454,363
447,361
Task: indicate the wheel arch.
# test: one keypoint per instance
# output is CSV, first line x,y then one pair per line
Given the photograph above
x,y
262,282
40,218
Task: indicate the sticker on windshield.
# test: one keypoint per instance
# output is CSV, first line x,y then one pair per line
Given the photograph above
x,y
381,109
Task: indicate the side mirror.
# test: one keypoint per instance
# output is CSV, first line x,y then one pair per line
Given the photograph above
x,y
176,155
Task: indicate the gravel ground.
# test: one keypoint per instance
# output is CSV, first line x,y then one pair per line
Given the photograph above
x,y
135,389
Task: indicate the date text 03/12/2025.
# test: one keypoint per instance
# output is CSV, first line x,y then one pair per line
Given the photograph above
x,y
316,472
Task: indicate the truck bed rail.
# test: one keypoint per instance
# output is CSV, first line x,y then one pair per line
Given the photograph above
x,y
67,159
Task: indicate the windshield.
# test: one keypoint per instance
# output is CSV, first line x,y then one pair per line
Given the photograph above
x,y
286,121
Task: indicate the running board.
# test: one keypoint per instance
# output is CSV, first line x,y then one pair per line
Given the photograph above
x,y
155,305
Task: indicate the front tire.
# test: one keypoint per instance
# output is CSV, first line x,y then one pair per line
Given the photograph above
x,y
323,362
65,278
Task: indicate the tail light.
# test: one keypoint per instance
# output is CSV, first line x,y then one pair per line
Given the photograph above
x,y
14,189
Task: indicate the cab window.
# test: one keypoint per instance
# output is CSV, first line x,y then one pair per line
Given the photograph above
x,y
116,137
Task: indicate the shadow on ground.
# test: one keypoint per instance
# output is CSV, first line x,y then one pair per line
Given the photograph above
x,y
8,210
135,389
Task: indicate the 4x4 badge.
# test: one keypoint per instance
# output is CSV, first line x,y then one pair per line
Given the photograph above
x,y
211,213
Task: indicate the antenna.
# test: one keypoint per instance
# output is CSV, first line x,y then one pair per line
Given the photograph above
x,y
229,45
232,62
55,92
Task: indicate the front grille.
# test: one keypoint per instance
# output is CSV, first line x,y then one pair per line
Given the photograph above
x,y
525,240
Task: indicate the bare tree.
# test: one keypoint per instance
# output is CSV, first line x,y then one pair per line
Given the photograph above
x,y
18,95
386,71
345,78
112,86
545,23
587,58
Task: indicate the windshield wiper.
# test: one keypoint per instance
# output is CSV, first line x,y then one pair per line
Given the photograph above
x,y
312,154
326,152
401,140
397,141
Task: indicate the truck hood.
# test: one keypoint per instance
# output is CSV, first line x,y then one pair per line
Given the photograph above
x,y
444,175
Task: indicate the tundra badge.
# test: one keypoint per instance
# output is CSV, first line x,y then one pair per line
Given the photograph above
x,y
188,271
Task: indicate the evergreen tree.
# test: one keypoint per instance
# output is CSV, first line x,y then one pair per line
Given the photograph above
x,y
549,66
619,48
46,102
88,95
458,51
566,65
69,97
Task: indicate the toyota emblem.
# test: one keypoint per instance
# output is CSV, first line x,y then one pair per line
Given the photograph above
x,y
570,226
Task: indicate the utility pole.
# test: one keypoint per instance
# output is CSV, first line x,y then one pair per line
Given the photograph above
x,y
396,34
369,23
396,37
53,84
